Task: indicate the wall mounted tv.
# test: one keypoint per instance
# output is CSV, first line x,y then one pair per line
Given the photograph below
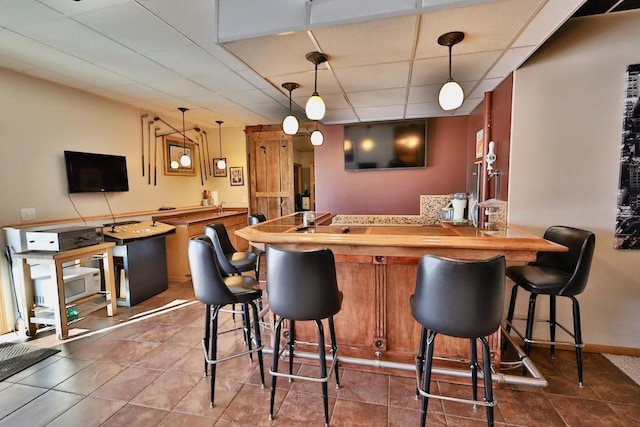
x,y
385,145
95,173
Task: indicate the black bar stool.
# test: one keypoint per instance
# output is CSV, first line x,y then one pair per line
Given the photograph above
x,y
216,291
254,219
302,286
556,274
462,299
233,262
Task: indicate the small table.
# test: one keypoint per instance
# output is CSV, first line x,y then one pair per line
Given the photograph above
x,y
54,262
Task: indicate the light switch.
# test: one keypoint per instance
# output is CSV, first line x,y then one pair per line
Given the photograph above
x,y
28,214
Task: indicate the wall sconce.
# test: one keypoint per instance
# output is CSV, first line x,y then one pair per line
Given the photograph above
x,y
315,107
451,94
317,138
185,160
221,163
290,123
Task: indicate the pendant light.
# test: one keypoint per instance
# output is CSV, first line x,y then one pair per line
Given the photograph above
x,y
451,94
290,124
315,107
317,138
221,163
185,160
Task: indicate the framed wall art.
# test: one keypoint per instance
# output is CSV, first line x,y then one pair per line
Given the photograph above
x,y
216,170
236,174
174,148
627,234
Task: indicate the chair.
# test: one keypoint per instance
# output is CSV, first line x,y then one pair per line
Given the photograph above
x,y
556,274
216,291
254,219
302,286
462,299
233,262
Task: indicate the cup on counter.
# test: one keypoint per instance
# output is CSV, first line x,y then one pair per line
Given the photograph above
x,y
309,218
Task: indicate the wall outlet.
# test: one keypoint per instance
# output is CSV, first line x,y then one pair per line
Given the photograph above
x,y
28,214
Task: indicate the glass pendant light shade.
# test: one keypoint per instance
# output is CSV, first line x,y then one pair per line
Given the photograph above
x,y
290,125
221,164
185,161
174,164
315,107
451,96
317,138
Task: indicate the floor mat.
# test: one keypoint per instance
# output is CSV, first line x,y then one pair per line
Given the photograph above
x,y
17,357
630,365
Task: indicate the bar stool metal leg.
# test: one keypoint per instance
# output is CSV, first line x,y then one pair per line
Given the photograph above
x,y
552,324
577,332
488,389
474,367
334,349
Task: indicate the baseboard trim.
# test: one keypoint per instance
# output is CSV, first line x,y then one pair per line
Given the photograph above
x,y
591,348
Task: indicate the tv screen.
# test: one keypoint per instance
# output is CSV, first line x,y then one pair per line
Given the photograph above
x,y
385,145
90,172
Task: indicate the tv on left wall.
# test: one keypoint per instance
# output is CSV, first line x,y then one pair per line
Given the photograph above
x,y
95,173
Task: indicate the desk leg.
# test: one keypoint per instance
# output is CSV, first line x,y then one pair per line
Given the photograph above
x,y
60,310
26,299
109,282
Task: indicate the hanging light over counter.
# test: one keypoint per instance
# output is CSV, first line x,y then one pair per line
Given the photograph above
x,y
315,107
221,163
451,94
185,160
290,123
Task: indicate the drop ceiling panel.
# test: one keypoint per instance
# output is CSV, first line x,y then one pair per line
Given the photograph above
x,y
488,26
187,61
16,14
194,19
275,55
387,112
74,7
372,77
138,68
133,26
94,75
373,42
377,97
74,38
32,52
226,82
178,87
138,91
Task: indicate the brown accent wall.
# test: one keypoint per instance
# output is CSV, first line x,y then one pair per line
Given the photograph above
x,y
392,192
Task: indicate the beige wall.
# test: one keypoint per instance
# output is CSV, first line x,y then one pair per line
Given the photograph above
x,y
39,120
566,136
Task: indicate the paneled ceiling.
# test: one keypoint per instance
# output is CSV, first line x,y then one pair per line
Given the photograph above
x,y
226,60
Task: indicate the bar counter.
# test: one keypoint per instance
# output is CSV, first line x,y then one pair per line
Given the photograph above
x,y
376,268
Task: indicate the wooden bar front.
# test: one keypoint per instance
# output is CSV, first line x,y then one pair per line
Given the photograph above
x,y
376,268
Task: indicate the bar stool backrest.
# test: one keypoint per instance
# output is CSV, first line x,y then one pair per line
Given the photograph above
x,y
208,284
256,218
576,262
458,298
302,285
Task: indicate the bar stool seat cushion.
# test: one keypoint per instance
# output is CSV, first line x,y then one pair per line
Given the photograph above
x,y
539,279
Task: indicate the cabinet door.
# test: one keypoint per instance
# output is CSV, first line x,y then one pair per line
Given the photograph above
x,y
270,154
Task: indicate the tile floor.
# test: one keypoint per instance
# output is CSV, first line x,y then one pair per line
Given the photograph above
x,y
144,368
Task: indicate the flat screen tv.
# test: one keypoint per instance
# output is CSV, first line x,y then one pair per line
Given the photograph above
x,y
385,145
95,173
